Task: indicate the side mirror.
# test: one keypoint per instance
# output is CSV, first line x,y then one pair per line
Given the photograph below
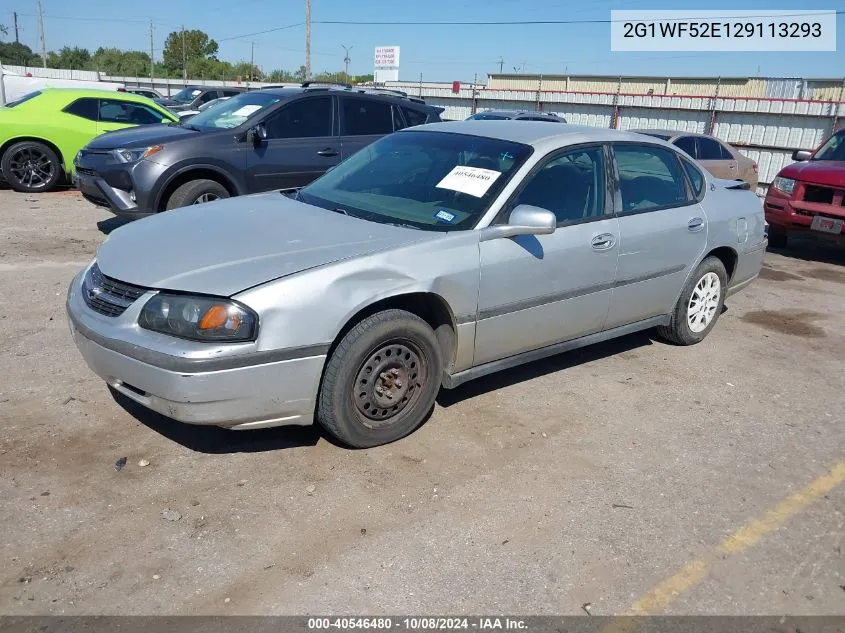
x,y
801,154
257,134
524,220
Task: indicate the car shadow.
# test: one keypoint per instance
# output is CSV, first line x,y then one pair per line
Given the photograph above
x,y
110,224
552,364
810,250
218,441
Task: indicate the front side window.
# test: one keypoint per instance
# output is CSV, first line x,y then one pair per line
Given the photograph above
x,y
834,149
303,118
650,178
572,186
687,143
363,117
211,95
113,111
434,181
186,95
233,112
85,108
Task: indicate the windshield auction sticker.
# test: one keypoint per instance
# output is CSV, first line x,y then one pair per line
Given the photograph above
x,y
720,30
474,181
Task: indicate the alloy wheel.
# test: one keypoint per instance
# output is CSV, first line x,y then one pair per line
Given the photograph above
x,y
704,302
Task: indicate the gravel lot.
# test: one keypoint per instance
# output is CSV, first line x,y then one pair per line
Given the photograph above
x,y
586,479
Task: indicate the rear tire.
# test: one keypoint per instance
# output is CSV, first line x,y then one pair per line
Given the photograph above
x,y
381,380
31,167
777,237
699,305
196,192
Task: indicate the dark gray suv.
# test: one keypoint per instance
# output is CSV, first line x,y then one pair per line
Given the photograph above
x,y
257,141
192,97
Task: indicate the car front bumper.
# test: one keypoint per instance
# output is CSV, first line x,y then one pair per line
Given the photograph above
x,y
124,189
791,215
233,394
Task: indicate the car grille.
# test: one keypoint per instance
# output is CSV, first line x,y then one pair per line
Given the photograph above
x,y
86,170
108,296
823,195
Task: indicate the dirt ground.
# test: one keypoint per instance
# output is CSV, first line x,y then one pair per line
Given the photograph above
x,y
629,477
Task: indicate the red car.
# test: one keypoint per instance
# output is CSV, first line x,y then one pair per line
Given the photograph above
x,y
809,196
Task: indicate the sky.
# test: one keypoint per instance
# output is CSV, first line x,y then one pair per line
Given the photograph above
x,y
438,53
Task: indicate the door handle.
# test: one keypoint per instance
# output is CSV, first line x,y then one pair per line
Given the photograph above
x,y
732,166
603,242
327,152
695,224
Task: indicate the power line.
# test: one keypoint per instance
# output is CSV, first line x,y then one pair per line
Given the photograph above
x,y
273,30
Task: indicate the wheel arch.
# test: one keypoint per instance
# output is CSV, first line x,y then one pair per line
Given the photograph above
x,y
37,139
728,256
199,172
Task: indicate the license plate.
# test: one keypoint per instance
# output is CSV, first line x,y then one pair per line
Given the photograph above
x,y
827,225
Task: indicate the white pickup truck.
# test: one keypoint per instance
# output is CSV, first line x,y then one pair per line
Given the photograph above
x,y
15,85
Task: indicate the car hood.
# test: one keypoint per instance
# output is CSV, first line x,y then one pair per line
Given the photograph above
x,y
817,172
139,136
224,247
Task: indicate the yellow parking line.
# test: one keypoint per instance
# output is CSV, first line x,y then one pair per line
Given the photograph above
x,y
692,573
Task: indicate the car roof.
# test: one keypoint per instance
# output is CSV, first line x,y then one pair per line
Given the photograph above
x,y
371,93
669,133
80,93
518,113
534,133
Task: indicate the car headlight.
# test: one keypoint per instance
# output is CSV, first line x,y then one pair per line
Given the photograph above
x,y
134,154
199,318
787,185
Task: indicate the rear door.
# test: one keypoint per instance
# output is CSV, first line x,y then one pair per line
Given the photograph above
x,y
363,121
716,159
301,145
662,228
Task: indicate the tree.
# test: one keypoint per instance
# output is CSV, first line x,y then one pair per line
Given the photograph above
x,y
16,54
74,58
247,72
118,63
188,45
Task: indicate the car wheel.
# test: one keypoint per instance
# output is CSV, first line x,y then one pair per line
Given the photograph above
x,y
196,192
31,167
699,305
777,237
381,380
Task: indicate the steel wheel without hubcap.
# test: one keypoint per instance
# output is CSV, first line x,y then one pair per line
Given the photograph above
x,y
389,381
31,167
704,302
206,197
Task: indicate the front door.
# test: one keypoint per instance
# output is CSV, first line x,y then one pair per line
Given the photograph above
x,y
363,121
663,232
300,145
539,290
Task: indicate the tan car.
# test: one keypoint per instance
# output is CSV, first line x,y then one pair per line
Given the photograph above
x,y
717,157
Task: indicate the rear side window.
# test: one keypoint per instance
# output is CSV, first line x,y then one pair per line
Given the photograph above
x,y
650,178
398,123
687,143
85,108
230,93
696,178
414,117
113,111
362,117
26,97
708,149
302,118
208,96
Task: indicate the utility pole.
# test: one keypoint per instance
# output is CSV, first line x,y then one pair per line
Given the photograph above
x,y
41,33
152,58
501,64
184,59
307,40
346,61
17,37
251,62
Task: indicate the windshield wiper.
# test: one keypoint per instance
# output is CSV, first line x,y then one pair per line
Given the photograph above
x,y
403,225
339,210
188,126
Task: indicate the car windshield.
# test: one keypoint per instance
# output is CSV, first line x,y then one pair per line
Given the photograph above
x,y
232,112
435,181
483,116
186,95
834,149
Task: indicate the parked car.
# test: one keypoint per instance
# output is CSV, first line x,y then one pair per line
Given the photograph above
x,y
41,132
516,115
256,141
433,256
192,97
184,115
719,158
808,197
149,93
16,85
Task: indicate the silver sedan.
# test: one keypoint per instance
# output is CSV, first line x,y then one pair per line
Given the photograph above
x,y
434,256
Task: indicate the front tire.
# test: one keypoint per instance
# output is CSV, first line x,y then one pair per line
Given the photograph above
x,y
196,192
381,380
31,167
699,305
